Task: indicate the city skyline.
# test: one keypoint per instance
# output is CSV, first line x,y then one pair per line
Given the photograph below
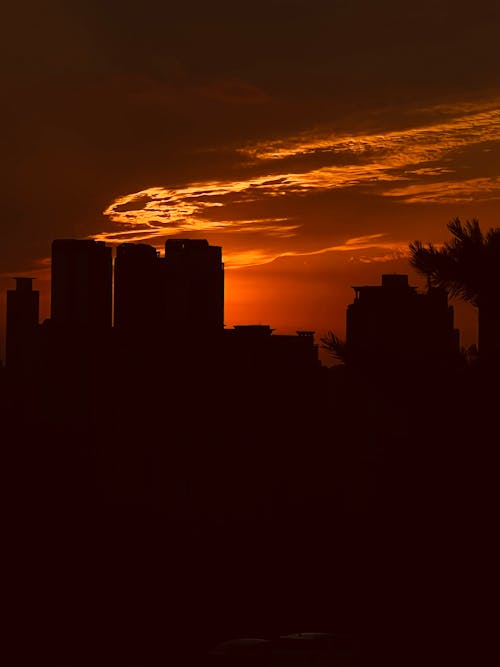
x,y
173,303
179,296
170,306
313,159
464,313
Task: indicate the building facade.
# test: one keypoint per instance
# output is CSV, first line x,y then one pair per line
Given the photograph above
x,y
81,290
193,274
22,324
138,295
393,323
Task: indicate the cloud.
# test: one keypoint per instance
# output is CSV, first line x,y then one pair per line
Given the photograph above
x,y
372,242
135,204
449,192
401,164
401,147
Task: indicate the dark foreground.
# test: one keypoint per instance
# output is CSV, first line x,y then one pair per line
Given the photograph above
x,y
374,519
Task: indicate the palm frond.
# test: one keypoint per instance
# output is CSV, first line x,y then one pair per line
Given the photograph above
x,y
335,346
467,266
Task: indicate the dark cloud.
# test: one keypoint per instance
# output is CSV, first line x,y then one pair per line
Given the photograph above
x,y
136,204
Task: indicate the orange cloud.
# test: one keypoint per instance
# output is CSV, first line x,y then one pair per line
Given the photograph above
x,y
449,192
402,164
402,147
369,242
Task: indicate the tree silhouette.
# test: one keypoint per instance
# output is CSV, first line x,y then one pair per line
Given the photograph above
x,y
334,346
468,267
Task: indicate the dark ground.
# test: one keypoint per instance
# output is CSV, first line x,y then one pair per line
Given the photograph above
x,y
369,510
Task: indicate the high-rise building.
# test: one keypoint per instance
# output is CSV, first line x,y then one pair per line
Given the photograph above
x,y
138,302
81,296
22,324
394,323
193,275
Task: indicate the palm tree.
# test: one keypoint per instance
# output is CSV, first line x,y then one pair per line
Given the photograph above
x,y
335,346
468,267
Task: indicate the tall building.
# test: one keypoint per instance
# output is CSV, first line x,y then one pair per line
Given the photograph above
x,y
393,323
138,302
22,324
194,286
81,296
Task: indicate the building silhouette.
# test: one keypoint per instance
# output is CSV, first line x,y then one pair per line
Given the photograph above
x,y
176,303
393,323
256,348
193,275
138,293
179,294
22,324
81,290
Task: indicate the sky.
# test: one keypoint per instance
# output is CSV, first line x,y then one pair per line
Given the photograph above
x,y
311,139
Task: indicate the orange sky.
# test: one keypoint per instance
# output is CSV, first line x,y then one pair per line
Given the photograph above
x,y
311,140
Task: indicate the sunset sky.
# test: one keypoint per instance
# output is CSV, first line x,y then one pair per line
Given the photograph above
x,y
311,139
